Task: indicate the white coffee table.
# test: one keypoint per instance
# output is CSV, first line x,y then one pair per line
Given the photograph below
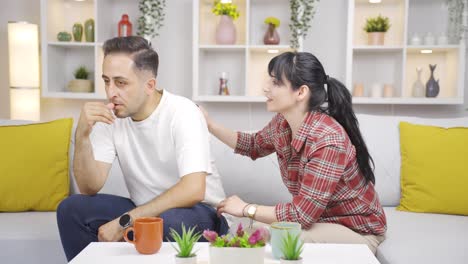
x,y
125,253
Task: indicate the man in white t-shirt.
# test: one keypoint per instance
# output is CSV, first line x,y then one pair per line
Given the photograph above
x,y
161,142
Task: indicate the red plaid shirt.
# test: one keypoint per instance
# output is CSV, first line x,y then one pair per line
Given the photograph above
x,y
320,170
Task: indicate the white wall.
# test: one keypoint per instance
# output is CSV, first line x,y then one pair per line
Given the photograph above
x,y
327,40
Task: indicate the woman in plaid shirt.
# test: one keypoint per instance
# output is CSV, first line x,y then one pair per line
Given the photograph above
x,y
322,156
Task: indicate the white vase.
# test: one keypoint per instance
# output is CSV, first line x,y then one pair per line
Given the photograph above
x,y
377,90
284,261
418,87
233,255
190,260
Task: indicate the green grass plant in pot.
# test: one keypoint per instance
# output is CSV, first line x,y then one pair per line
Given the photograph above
x,y
292,247
376,28
185,243
80,84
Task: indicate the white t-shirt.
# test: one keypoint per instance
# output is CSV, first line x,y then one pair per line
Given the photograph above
x,y
156,152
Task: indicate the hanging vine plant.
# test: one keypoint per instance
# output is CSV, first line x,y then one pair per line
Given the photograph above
x,y
152,18
456,23
302,13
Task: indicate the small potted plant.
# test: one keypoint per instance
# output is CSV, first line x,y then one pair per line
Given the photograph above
x,y
271,35
225,31
80,84
241,248
185,243
291,248
376,28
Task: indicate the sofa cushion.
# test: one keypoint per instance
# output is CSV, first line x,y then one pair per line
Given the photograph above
x,y
381,134
34,167
434,171
424,238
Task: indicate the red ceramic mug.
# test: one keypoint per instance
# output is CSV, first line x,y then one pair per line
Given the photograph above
x,y
147,234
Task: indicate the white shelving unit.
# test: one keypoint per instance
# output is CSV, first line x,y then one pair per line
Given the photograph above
x,y
246,61
395,62
61,59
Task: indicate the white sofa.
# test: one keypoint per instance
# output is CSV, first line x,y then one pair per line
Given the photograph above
x,y
32,237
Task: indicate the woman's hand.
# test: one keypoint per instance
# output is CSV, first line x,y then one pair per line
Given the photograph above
x,y
232,205
206,115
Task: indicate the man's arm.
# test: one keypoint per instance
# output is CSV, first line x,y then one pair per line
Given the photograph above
x,y
90,174
189,191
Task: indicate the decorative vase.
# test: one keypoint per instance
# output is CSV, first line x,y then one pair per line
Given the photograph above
x,y
297,261
89,30
64,36
375,38
80,86
271,36
429,39
77,32
388,90
125,27
190,260
377,90
225,31
418,86
358,90
432,86
415,40
235,255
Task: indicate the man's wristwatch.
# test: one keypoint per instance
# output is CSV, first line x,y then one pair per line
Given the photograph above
x,y
125,220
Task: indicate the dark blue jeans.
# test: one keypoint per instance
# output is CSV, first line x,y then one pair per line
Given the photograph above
x,y
80,216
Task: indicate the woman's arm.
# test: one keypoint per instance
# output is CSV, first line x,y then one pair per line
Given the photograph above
x,y
255,145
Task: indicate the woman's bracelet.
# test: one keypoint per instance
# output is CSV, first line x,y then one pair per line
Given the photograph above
x,y
243,209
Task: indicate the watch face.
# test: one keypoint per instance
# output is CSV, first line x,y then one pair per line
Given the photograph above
x,y
251,210
124,220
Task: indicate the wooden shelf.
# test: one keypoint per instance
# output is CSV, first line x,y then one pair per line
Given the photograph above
x,y
72,44
230,98
405,101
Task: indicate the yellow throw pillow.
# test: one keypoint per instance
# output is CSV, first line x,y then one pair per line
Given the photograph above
x,y
434,169
34,165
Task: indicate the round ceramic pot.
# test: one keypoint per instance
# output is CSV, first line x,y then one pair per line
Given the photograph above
x,y
233,255
80,86
375,38
284,261
191,260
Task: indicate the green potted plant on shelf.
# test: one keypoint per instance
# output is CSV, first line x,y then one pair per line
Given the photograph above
x,y
376,28
291,248
185,243
226,30
271,35
80,84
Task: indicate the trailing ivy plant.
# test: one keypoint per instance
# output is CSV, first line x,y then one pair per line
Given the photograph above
x,y
456,25
302,13
151,19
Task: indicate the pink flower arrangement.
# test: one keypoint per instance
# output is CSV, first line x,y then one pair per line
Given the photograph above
x,y
241,239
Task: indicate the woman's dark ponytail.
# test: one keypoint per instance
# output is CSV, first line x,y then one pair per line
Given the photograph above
x,y
340,108
303,68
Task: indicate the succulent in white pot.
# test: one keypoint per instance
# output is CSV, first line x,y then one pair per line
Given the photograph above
x,y
185,243
292,248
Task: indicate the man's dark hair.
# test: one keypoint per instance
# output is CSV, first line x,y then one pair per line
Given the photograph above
x,y
139,49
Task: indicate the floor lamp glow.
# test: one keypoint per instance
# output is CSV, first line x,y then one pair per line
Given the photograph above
x,y
23,49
